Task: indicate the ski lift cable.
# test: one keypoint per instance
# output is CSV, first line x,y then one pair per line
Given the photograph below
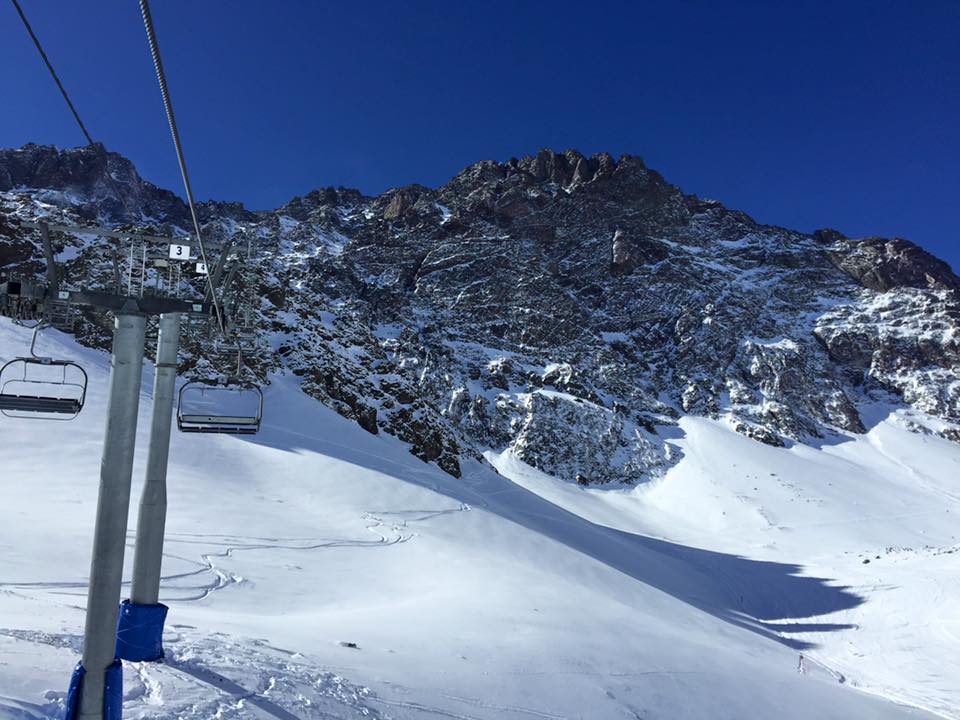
x,y
168,107
53,72
108,176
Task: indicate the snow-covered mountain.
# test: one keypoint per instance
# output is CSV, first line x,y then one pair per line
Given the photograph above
x,y
763,425
530,302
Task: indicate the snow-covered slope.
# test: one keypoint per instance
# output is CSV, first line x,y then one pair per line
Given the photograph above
x,y
495,596
876,512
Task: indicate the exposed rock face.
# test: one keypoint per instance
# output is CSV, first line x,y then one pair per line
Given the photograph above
x,y
880,264
566,307
907,341
568,436
629,252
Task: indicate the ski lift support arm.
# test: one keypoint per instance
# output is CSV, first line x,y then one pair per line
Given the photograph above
x,y
147,305
214,280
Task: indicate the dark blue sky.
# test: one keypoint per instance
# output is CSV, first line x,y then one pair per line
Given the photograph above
x,y
803,114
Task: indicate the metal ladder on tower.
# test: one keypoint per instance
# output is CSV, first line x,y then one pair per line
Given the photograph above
x,y
136,269
61,316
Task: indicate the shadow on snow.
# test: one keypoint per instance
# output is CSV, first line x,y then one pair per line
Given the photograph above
x,y
764,597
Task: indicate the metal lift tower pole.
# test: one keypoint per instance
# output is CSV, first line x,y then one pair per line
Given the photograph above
x,y
148,553
113,504
27,298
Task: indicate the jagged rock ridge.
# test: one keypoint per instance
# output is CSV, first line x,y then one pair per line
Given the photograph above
x,y
565,307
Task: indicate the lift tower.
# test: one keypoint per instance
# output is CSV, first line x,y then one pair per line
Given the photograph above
x,y
100,667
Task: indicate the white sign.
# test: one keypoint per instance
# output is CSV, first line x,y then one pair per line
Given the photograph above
x,y
202,268
179,252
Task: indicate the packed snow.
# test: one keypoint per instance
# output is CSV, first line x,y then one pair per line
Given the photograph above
x,y
318,571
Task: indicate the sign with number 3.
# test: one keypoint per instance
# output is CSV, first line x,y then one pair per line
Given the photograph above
x,y
179,252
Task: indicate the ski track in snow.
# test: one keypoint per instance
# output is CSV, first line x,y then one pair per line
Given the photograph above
x,y
396,533
503,708
233,697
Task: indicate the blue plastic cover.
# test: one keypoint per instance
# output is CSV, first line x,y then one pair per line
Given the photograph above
x,y
140,631
112,692
73,693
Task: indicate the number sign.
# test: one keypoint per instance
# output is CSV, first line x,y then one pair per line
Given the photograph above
x,y
179,252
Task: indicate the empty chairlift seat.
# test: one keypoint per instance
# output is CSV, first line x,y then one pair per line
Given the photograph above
x,y
38,387
230,409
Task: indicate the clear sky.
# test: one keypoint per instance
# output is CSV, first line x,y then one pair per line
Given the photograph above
x,y
803,114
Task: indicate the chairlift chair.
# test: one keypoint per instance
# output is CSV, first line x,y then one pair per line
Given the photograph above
x,y
237,403
197,398
26,392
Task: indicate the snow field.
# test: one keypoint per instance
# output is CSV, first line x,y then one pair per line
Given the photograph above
x,y
490,596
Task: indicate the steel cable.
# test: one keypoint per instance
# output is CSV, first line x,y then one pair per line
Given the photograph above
x,y
53,72
168,107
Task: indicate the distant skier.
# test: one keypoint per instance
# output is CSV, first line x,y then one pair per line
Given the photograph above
x,y
800,666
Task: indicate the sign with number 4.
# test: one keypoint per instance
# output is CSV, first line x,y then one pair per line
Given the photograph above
x,y
179,252
202,268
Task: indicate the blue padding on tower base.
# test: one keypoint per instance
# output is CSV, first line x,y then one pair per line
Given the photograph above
x,y
112,691
73,692
140,631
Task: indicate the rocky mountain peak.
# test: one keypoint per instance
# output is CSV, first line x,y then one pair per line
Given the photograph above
x,y
44,166
564,170
99,184
564,307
